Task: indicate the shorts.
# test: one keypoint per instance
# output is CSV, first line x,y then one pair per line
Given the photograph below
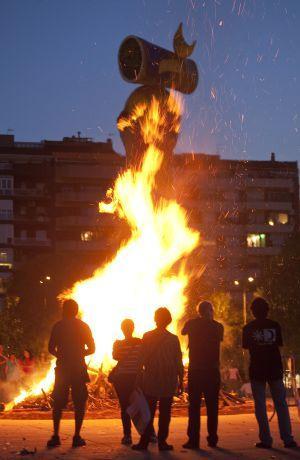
x,y
62,386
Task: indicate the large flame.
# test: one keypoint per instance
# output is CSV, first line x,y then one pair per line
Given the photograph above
x,y
149,269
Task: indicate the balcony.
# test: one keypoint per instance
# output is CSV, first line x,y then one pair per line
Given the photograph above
x,y
266,228
31,192
6,214
32,219
6,191
85,221
82,245
84,196
31,242
266,251
269,205
269,183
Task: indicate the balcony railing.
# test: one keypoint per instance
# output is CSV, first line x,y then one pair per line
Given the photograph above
x,y
270,205
98,220
28,192
265,228
82,245
30,242
7,215
266,251
6,191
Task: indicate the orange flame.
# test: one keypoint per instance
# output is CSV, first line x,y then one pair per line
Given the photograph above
x,y
149,269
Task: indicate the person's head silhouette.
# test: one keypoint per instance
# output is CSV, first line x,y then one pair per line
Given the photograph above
x,y
206,310
69,308
260,308
127,327
162,317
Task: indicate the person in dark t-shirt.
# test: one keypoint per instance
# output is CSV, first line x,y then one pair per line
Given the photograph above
x,y
262,337
71,340
205,336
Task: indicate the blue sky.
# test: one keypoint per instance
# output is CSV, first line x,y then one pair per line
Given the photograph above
x,y
59,71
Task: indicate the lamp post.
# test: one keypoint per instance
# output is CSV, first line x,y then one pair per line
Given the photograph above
x,y
44,281
244,284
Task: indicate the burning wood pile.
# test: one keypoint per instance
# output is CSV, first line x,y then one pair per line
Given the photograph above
x,y
103,399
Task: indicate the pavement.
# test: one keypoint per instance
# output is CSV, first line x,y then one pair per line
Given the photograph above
x,y
237,433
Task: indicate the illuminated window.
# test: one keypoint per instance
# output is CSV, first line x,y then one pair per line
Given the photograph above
x,y
86,236
276,218
256,240
283,218
3,256
5,265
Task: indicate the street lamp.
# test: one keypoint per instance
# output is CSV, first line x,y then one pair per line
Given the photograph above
x,y
244,284
44,281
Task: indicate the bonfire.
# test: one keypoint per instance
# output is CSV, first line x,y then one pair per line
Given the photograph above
x,y
150,268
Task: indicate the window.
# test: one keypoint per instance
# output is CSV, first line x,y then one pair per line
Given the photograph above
x,y
23,234
255,194
3,255
279,195
256,217
283,218
6,185
256,240
6,214
278,218
86,236
41,235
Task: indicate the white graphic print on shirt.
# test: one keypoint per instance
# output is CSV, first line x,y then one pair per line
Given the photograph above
x,y
264,336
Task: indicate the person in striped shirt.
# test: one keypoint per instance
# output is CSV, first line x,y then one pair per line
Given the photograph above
x,y
128,354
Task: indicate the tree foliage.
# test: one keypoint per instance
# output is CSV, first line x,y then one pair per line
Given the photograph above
x,y
280,284
32,304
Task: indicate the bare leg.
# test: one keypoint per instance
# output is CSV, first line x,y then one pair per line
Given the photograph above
x,y
57,413
79,416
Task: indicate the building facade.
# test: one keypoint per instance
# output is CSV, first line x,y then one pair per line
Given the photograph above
x,y
50,190
244,210
49,194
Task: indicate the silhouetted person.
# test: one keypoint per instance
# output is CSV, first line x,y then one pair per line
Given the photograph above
x,y
128,354
262,337
71,340
205,335
162,377
3,361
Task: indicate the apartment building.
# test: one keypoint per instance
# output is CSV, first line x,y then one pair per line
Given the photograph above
x,y
83,172
50,190
26,209
245,211
49,194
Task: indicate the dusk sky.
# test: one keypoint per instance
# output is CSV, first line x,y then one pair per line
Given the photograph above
x,y
59,71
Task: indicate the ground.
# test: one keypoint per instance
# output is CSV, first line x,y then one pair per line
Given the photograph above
x,y
238,433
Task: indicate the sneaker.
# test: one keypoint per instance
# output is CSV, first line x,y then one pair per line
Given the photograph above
x,y
290,445
54,441
153,439
164,446
212,443
191,445
139,446
78,441
262,445
126,440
